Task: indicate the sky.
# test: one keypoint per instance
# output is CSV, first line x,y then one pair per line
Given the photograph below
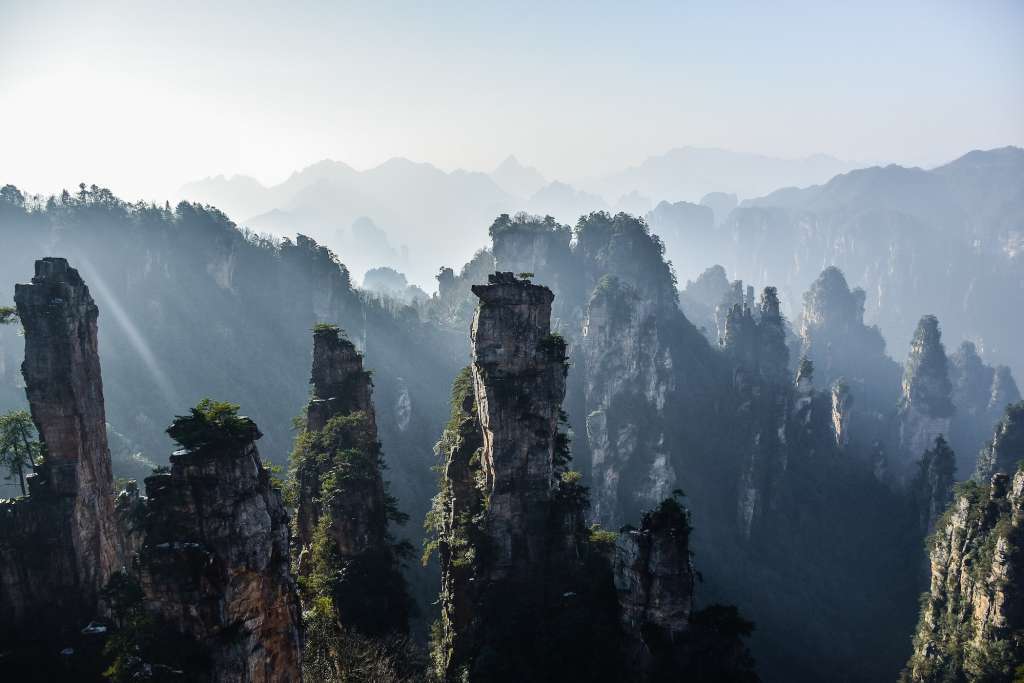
x,y
144,96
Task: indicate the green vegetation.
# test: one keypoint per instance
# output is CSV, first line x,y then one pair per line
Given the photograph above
x,y
213,424
8,315
602,538
19,447
947,644
140,647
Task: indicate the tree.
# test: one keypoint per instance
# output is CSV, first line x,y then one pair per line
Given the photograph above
x,y
18,444
8,315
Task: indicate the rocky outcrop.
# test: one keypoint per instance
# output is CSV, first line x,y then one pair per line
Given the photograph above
x,y
59,544
65,393
528,592
926,406
1004,389
835,338
214,564
342,504
654,579
973,613
626,386
755,342
932,487
842,404
340,387
1006,448
519,577
980,394
519,371
454,521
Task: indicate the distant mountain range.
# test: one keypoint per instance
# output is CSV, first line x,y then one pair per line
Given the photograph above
x,y
431,217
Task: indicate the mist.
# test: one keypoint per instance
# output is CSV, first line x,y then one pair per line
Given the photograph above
x,y
480,343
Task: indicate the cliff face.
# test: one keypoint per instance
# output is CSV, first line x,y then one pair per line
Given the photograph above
x,y
1006,448
973,614
980,393
340,387
926,407
850,355
758,350
214,564
519,579
59,544
344,551
640,359
654,578
932,487
626,386
519,381
65,393
527,592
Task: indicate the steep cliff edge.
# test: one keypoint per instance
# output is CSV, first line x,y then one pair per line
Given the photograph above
x,y
972,618
65,393
59,544
528,592
347,562
524,596
213,569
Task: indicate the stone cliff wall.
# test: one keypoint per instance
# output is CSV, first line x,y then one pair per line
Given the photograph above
x,y
65,393
973,613
59,544
654,578
926,406
519,381
214,565
342,504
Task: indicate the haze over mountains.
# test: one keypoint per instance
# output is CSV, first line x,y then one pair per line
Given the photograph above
x,y
437,214
946,240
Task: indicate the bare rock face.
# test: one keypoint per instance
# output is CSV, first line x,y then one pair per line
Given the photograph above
x,y
519,578
214,564
654,579
755,342
974,611
65,393
926,407
59,544
842,403
626,387
519,381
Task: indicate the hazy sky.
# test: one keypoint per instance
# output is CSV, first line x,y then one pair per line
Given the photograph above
x,y
141,97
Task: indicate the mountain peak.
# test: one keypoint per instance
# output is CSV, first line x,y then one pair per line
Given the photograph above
x,y
517,179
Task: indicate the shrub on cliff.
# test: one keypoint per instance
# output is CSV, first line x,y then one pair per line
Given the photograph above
x,y
213,423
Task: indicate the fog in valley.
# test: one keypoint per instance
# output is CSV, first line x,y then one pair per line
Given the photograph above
x,y
683,343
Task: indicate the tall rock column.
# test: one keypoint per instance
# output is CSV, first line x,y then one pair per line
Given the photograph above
x,y
654,579
345,553
214,566
341,387
65,393
926,407
973,613
519,381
